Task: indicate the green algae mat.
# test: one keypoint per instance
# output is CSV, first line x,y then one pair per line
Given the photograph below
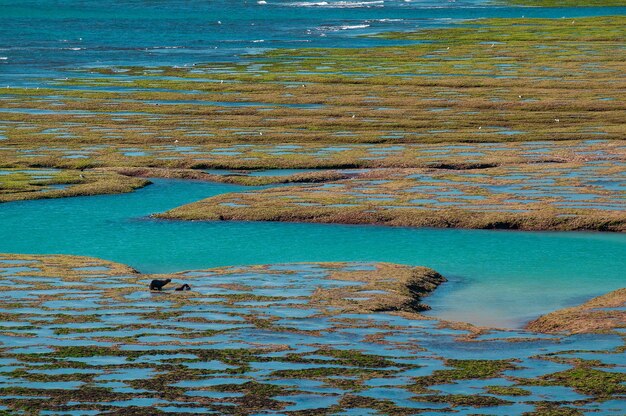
x,y
546,90
492,123
529,196
489,80
86,336
528,185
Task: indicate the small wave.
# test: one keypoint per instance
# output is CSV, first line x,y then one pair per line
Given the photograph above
x,y
339,4
261,2
342,27
4,58
347,27
350,27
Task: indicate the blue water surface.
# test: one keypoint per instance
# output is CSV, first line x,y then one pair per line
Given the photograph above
x,y
496,277
501,278
50,37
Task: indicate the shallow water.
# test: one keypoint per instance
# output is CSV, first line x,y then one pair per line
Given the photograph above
x,y
121,32
496,278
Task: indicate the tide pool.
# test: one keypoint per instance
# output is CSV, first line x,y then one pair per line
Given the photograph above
x,y
496,278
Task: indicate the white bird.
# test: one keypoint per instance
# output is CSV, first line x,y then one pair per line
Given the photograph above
x,y
260,133
480,128
519,96
556,119
353,116
175,141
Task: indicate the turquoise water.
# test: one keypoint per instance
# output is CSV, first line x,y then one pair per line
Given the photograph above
x,y
496,278
49,37
500,278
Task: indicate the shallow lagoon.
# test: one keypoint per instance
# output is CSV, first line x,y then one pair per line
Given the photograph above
x,y
511,276
496,278
167,33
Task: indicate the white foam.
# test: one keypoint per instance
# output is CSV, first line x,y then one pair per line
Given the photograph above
x,y
349,27
343,27
339,4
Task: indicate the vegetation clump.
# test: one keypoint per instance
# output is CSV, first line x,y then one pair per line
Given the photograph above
x,y
601,314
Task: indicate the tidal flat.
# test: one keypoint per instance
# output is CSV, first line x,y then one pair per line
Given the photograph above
x,y
545,90
381,207
546,196
84,335
493,80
